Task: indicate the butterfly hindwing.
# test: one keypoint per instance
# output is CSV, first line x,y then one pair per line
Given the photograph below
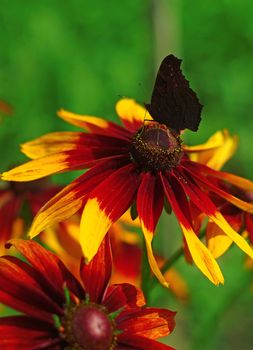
x,y
173,102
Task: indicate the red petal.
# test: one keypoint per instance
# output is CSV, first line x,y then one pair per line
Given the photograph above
x,y
151,323
123,296
20,290
49,266
97,273
150,201
21,332
140,343
220,192
178,200
235,180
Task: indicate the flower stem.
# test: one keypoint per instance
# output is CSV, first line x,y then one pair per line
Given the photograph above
x,y
177,254
171,261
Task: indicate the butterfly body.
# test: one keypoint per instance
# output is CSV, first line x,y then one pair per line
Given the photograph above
x,y
173,102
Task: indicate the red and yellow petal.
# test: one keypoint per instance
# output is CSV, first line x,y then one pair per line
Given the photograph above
x,y
106,204
80,158
205,204
51,143
95,125
246,206
132,114
216,151
200,254
149,206
68,201
235,180
90,146
97,273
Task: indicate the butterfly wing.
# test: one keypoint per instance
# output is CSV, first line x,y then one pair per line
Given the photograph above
x,y
173,102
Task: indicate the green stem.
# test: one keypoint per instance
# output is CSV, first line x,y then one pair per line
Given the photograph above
x,y
171,261
176,255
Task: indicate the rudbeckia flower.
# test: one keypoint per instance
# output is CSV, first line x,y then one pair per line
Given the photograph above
x,y
135,164
60,312
19,203
138,163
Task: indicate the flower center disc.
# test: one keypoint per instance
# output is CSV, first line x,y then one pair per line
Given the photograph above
x,y
156,147
90,329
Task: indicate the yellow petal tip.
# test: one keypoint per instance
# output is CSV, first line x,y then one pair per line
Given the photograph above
x,y
95,223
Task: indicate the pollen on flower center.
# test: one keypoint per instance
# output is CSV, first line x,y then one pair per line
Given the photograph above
x,y
156,147
88,327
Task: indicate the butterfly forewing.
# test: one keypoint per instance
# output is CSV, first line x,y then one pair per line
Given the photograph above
x,y
173,102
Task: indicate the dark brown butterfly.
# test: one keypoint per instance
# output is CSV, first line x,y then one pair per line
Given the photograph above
x,y
173,102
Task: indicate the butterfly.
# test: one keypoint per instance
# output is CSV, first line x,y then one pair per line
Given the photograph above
x,y
173,102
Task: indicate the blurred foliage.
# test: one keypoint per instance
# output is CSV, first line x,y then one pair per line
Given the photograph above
x,y
82,56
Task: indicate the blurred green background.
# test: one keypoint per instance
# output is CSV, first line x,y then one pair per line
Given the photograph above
x,y
83,55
